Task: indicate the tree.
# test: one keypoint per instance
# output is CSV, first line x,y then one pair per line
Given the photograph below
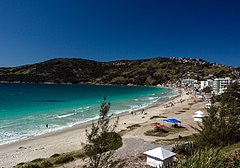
x,y
207,89
221,127
102,140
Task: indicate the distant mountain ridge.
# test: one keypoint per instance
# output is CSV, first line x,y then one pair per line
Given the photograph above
x,y
137,72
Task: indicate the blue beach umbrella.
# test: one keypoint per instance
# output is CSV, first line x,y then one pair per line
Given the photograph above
x,y
172,120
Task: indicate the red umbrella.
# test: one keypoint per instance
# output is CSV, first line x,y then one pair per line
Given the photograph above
x,y
157,125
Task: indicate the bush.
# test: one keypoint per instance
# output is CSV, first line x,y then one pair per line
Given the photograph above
x,y
186,149
64,159
134,126
45,164
206,158
79,155
37,160
29,165
114,141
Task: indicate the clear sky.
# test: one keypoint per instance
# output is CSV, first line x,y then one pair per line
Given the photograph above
x,y
37,30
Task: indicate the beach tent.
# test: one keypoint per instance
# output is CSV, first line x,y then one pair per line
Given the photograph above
x,y
199,112
159,156
172,120
199,115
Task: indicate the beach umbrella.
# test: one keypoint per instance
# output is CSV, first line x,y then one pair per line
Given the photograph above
x,y
157,125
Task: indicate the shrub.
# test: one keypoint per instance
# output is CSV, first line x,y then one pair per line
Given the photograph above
x,y
29,165
206,158
186,149
64,159
80,154
45,164
37,160
157,117
133,126
114,140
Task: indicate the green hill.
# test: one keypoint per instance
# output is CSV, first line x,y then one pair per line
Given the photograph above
x,y
138,72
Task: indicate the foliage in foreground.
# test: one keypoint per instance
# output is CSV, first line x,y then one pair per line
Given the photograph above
x,y
54,160
186,149
211,158
102,141
221,127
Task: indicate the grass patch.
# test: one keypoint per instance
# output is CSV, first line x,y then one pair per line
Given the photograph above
x,y
181,111
182,139
45,163
36,164
232,148
55,155
64,159
37,160
53,161
129,128
177,113
133,126
165,133
157,117
190,104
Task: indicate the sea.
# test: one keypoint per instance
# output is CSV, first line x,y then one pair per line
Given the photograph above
x,y
26,109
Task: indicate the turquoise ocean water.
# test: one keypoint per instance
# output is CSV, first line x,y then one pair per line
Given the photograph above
x,y
25,109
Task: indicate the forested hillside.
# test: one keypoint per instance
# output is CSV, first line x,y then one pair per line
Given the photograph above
x,y
138,72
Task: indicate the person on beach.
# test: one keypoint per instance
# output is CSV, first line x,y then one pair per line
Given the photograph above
x,y
46,125
142,111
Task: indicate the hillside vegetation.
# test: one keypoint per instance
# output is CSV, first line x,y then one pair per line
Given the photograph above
x,y
138,72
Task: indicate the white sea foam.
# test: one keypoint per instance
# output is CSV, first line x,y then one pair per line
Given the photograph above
x,y
152,98
65,115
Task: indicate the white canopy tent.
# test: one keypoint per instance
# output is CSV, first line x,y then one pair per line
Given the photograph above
x,y
199,115
199,112
158,157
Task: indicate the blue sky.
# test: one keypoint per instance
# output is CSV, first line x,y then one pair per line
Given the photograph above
x,y
37,30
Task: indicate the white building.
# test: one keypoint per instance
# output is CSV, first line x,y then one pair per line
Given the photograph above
x,y
188,82
158,157
220,85
207,83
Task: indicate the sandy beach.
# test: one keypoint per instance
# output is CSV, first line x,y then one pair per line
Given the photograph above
x,y
73,138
